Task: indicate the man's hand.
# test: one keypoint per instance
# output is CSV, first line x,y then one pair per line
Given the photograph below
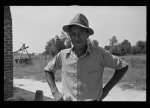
x,y
58,96
51,81
113,81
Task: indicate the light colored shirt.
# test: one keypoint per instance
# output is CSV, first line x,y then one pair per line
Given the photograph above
x,y
82,77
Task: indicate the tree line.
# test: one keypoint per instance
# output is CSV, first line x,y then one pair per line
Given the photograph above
x,y
58,43
125,47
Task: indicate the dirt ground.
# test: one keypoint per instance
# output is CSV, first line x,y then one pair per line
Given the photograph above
x,y
24,89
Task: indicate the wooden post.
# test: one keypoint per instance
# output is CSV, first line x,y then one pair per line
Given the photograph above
x,y
20,58
39,95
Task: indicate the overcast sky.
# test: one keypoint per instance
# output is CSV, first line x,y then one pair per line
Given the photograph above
x,y
36,25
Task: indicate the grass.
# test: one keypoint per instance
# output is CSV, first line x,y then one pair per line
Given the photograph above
x,y
134,78
34,70
136,75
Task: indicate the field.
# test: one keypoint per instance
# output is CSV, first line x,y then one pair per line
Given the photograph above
x,y
135,78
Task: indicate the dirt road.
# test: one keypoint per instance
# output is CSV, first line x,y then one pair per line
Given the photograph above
x,y
116,94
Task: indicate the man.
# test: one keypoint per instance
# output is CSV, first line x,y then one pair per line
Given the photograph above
x,y
82,66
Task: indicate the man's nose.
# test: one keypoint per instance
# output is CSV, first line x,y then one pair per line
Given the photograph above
x,y
77,36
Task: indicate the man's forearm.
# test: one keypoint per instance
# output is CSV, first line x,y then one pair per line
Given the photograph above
x,y
116,78
51,81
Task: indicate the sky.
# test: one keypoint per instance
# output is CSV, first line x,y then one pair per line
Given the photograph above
x,y
36,25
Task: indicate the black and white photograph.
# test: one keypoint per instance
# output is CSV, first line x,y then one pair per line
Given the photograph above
x,y
75,53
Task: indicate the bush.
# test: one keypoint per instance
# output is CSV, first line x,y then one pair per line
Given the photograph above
x,y
57,44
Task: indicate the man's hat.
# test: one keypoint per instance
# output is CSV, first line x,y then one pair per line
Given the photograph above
x,y
81,21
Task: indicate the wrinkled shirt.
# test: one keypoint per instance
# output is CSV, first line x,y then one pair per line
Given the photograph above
x,y
82,77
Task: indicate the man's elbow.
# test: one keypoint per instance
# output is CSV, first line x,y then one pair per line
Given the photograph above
x,y
49,72
126,67
123,70
46,71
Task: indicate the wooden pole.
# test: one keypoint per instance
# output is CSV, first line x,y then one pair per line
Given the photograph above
x,y
39,95
27,53
20,57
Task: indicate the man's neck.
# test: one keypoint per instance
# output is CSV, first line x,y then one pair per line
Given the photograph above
x,y
80,51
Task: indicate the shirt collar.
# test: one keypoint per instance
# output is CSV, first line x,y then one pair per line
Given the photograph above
x,y
88,50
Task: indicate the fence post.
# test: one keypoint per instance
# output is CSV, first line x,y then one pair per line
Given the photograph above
x,y
132,61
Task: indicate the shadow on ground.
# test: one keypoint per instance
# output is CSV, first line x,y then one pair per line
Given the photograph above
x,y
25,95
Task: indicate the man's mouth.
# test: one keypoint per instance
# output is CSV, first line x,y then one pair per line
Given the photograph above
x,y
78,42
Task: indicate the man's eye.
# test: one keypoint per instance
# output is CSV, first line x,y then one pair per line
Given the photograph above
x,y
72,34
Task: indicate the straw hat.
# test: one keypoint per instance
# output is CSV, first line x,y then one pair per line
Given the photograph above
x,y
81,21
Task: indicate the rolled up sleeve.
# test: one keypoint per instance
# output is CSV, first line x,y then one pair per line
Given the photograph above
x,y
112,61
54,64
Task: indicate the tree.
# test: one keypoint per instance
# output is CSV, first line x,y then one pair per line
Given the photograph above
x,y
113,41
142,46
144,50
95,43
116,50
135,50
48,46
107,47
54,51
59,43
125,47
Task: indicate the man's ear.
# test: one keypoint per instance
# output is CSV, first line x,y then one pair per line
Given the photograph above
x,y
69,38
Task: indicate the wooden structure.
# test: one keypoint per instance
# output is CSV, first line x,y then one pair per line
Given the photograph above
x,y
23,60
39,95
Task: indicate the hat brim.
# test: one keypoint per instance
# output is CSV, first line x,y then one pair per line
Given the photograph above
x,y
65,28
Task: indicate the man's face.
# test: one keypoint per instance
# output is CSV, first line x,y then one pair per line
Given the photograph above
x,y
78,36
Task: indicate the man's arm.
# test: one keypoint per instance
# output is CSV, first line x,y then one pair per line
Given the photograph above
x,y
51,81
113,81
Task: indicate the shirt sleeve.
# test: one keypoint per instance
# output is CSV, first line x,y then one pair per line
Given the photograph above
x,y
54,64
112,61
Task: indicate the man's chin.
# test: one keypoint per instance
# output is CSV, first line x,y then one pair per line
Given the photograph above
x,y
78,46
